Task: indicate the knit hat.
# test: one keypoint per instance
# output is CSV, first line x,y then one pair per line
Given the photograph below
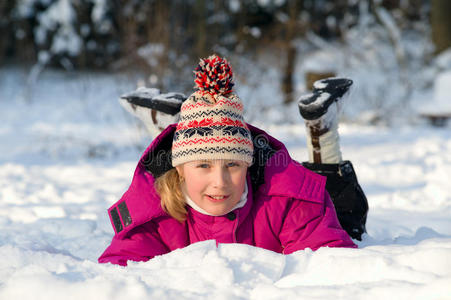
x,y
211,122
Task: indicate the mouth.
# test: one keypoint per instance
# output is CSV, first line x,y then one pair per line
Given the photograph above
x,y
217,198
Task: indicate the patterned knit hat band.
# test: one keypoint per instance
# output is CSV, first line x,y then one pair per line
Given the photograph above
x,y
211,120
200,153
196,108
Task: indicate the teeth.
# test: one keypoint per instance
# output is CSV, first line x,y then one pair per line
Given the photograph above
x,y
218,197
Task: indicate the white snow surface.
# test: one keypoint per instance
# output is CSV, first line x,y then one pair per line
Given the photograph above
x,y
441,103
69,150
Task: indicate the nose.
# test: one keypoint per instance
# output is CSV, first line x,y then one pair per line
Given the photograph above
x,y
220,177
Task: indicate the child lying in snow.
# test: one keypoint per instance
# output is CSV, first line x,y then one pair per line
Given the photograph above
x,y
213,176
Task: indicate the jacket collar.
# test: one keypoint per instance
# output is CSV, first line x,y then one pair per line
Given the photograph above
x,y
284,176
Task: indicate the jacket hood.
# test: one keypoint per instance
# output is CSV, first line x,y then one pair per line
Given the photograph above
x,y
271,173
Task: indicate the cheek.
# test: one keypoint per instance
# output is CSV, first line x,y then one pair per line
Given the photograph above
x,y
239,180
192,182
194,187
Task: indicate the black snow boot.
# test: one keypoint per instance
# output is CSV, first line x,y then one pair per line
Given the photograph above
x,y
325,92
348,197
155,110
169,103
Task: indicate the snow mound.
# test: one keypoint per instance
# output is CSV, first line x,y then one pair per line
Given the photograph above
x,y
233,271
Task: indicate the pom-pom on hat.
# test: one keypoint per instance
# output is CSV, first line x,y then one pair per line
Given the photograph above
x,y
214,75
211,122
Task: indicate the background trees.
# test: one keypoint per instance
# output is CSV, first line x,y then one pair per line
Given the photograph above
x,y
162,38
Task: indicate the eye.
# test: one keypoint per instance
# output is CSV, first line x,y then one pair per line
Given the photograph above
x,y
232,164
203,165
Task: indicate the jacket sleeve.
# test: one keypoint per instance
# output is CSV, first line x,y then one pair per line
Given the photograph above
x,y
312,225
140,244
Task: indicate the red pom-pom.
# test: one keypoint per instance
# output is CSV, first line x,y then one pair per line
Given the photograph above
x,y
214,75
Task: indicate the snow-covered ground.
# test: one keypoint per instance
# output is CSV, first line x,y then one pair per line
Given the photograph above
x,y
68,151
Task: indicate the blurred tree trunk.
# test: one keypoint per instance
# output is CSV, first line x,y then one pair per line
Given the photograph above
x,y
161,33
201,30
128,28
441,24
294,7
5,22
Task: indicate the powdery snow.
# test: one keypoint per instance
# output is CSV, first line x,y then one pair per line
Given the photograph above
x,y
441,103
69,150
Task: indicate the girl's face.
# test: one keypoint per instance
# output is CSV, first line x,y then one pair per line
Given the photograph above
x,y
215,186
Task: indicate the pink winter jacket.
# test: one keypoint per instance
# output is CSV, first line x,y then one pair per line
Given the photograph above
x,y
288,209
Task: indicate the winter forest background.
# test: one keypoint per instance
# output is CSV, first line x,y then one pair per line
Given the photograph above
x,y
286,42
68,150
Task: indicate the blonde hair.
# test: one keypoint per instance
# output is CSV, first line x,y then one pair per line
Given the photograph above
x,y
169,188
